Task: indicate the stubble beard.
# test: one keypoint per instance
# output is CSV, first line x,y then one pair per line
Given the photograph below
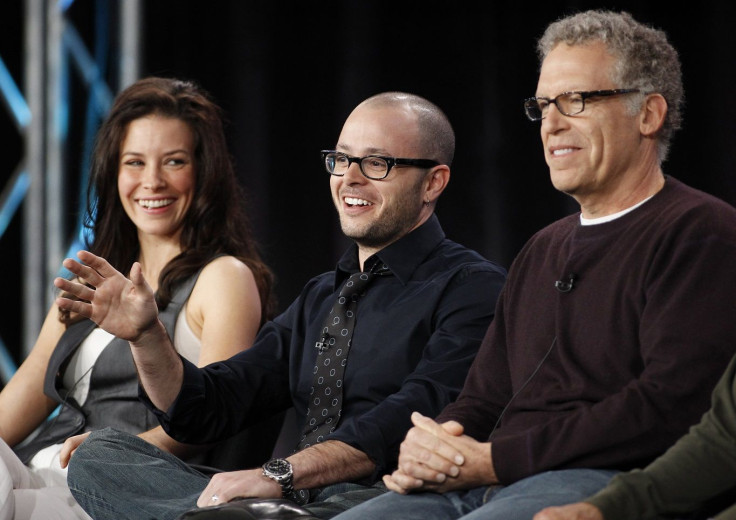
x,y
389,227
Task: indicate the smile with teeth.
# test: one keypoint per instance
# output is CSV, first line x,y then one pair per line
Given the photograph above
x,y
353,201
155,203
562,151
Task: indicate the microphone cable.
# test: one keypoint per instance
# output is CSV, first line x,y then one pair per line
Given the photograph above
x,y
538,367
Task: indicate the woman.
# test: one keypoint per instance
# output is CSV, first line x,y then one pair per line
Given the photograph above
x,y
163,193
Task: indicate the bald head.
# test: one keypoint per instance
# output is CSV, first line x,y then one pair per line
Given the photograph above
x,y
436,138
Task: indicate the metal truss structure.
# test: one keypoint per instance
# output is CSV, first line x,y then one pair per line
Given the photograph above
x,y
57,61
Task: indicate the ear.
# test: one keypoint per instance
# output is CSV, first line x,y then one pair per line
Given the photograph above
x,y
436,182
653,115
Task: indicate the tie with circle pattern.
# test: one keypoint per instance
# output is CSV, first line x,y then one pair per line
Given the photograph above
x,y
325,399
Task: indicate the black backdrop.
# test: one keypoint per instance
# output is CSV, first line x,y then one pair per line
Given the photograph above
x,y
288,73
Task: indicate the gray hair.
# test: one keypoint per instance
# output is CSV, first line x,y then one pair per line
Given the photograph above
x,y
644,59
436,136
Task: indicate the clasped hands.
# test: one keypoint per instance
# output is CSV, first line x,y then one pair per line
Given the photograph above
x,y
440,458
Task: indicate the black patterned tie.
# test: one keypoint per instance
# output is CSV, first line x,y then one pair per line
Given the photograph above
x,y
325,400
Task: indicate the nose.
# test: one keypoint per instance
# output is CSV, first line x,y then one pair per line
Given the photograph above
x,y
353,175
553,120
153,178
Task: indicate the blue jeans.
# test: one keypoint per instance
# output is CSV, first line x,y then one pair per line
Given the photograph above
x,y
518,501
332,500
115,475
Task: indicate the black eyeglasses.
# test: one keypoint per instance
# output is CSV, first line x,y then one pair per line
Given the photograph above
x,y
374,167
568,103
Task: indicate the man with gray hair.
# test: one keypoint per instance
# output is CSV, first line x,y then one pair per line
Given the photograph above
x,y
614,324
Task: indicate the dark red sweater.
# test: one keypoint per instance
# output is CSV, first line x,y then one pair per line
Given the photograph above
x,y
635,347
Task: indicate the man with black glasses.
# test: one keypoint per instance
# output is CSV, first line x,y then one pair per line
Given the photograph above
x,y
392,330
614,324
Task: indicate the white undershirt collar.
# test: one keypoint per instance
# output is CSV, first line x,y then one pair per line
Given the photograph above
x,y
608,218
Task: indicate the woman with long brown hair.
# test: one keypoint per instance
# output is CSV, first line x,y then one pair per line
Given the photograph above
x,y
162,193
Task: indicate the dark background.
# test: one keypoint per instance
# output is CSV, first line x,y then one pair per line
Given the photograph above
x,y
288,73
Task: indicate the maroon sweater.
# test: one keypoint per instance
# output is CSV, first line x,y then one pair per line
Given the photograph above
x,y
634,348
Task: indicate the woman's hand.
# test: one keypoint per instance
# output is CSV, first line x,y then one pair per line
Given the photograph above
x,y
70,446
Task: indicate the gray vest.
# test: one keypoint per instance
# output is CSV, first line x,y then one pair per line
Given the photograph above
x,y
112,400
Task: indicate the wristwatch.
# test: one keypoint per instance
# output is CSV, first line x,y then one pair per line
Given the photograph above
x,y
281,471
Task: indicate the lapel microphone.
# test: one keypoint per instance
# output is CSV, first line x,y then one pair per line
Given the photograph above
x,y
566,286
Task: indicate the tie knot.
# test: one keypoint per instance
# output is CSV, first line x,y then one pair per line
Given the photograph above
x,y
375,266
356,284
380,269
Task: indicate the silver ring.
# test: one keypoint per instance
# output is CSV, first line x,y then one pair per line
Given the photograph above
x,y
214,498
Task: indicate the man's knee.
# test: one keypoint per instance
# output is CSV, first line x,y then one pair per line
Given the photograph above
x,y
106,446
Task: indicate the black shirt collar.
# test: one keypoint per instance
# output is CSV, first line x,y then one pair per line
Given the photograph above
x,y
402,257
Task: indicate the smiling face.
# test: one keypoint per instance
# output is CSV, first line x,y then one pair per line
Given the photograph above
x,y
156,176
597,155
375,213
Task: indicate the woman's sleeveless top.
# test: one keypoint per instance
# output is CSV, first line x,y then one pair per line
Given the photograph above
x,y
112,400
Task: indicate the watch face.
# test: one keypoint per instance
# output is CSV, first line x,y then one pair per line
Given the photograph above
x,y
278,467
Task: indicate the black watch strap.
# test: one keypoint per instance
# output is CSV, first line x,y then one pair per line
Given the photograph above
x,y
300,496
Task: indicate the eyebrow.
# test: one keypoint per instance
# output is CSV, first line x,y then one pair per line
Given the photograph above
x,y
171,152
567,90
370,151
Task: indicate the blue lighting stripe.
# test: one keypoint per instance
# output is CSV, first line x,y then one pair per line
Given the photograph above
x,y
98,105
7,365
65,4
88,68
13,97
13,200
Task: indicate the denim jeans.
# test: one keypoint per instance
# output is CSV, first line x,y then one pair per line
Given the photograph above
x,y
333,500
115,476
518,501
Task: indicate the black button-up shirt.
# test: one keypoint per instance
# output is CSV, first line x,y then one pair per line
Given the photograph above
x,y
415,336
